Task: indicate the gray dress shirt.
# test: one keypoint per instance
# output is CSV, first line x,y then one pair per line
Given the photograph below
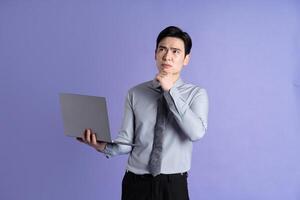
x,y
186,123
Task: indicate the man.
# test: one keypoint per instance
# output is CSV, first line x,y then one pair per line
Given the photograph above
x,y
163,117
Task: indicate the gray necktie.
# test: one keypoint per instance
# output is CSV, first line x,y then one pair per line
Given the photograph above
x,y
161,118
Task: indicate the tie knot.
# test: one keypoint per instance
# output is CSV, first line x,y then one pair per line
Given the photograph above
x,y
160,89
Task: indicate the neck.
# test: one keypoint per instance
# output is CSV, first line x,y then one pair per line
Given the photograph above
x,y
175,77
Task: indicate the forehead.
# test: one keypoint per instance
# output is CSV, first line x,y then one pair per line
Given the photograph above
x,y
172,42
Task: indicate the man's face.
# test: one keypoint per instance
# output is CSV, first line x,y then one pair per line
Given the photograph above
x,y
170,56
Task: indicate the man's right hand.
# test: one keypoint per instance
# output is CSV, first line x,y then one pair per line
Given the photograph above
x,y
89,138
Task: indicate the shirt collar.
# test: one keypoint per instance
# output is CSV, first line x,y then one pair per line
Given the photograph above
x,y
156,84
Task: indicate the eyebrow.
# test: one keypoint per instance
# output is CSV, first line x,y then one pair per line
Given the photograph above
x,y
172,48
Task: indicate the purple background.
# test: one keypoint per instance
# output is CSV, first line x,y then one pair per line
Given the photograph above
x,y
245,53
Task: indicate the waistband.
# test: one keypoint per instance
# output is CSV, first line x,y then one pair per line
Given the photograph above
x,y
160,176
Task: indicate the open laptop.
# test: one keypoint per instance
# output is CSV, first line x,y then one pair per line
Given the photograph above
x,y
80,112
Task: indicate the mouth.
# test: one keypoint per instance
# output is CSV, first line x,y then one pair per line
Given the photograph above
x,y
166,66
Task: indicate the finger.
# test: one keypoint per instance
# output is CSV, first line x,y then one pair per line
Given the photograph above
x,y
94,139
158,77
163,75
85,135
91,135
163,72
88,136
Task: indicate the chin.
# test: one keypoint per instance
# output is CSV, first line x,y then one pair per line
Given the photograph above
x,y
168,70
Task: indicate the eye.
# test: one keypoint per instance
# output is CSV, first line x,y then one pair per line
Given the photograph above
x,y
176,51
161,49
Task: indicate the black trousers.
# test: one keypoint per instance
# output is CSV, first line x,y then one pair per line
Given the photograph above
x,y
161,187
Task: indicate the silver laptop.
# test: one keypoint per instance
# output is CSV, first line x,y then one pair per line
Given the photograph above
x,y
80,112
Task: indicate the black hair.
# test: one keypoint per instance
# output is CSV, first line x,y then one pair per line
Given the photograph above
x,y
173,31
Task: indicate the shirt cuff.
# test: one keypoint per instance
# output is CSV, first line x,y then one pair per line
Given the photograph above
x,y
107,151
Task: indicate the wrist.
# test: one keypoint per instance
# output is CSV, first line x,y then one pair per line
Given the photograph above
x,y
101,148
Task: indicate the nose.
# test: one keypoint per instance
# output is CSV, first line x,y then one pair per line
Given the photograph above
x,y
167,55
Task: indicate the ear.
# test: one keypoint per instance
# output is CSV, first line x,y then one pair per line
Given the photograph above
x,y
155,54
186,59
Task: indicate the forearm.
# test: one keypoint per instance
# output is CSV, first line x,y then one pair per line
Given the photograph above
x,y
126,133
192,119
191,125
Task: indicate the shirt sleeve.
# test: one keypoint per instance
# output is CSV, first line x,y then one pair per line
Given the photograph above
x,y
126,133
192,118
